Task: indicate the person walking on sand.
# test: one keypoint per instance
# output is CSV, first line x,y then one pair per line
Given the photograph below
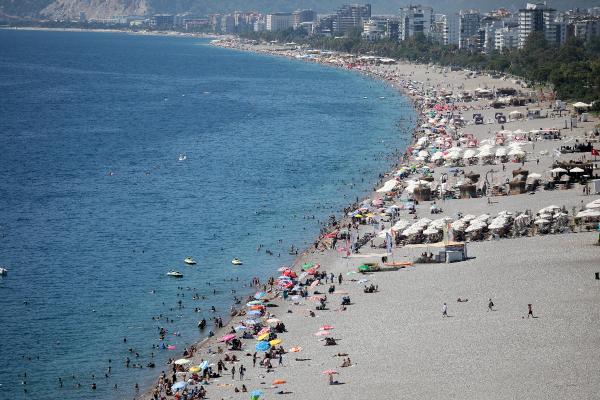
x,y
491,305
530,311
233,372
340,279
444,310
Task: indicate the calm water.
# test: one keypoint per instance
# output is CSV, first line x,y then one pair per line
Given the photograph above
x,y
269,142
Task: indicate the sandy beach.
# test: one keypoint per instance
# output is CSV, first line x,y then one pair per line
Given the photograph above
x,y
398,342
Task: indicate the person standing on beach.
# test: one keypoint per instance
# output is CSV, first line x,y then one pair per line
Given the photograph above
x,y
340,279
444,310
242,371
491,305
530,311
233,372
254,359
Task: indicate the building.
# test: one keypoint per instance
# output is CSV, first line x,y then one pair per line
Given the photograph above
x,y
300,16
586,29
279,21
392,29
227,24
507,38
374,28
324,25
196,24
162,21
415,20
451,29
468,30
438,27
351,17
537,17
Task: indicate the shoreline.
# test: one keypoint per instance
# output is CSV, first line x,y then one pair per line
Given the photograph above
x,y
123,31
305,255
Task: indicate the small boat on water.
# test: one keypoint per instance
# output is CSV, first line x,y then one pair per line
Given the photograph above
x,y
3,271
236,261
182,157
189,261
175,274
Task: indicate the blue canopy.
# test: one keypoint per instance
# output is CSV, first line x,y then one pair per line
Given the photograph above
x,y
178,385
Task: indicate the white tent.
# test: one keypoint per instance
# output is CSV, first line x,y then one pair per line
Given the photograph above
x,y
576,170
593,205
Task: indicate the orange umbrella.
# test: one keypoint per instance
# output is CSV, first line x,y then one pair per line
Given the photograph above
x,y
257,307
295,349
279,382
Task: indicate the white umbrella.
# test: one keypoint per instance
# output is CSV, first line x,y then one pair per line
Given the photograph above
x,y
516,153
558,170
501,152
549,209
534,176
541,221
182,361
576,170
594,204
588,214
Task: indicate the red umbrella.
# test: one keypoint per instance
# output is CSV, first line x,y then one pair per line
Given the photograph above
x,y
290,273
326,327
329,372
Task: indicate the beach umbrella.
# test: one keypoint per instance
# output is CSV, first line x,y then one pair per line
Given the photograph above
x,y
251,322
257,307
254,312
255,394
178,386
322,333
326,327
558,170
263,336
260,295
593,204
296,349
194,369
279,382
264,330
262,346
283,269
253,303
182,361
330,372
576,170
589,213
363,268
275,342
171,347
226,338
203,365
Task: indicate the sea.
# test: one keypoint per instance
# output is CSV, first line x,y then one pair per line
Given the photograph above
x,y
120,155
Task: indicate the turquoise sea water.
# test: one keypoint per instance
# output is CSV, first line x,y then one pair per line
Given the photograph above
x,y
95,206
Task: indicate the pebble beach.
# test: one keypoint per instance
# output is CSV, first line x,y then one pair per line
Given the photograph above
x,y
394,341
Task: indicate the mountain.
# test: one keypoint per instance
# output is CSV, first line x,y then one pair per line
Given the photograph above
x,y
106,8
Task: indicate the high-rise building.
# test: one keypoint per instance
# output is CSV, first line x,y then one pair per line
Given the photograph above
x,y
507,38
300,16
415,20
586,29
392,29
537,17
227,24
279,21
351,17
451,29
468,31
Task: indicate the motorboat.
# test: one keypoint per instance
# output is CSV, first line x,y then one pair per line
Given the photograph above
x,y
236,261
175,274
189,261
182,157
3,271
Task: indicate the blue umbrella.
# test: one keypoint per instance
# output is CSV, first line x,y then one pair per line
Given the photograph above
x,y
239,328
204,365
251,322
259,295
256,393
178,385
262,346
